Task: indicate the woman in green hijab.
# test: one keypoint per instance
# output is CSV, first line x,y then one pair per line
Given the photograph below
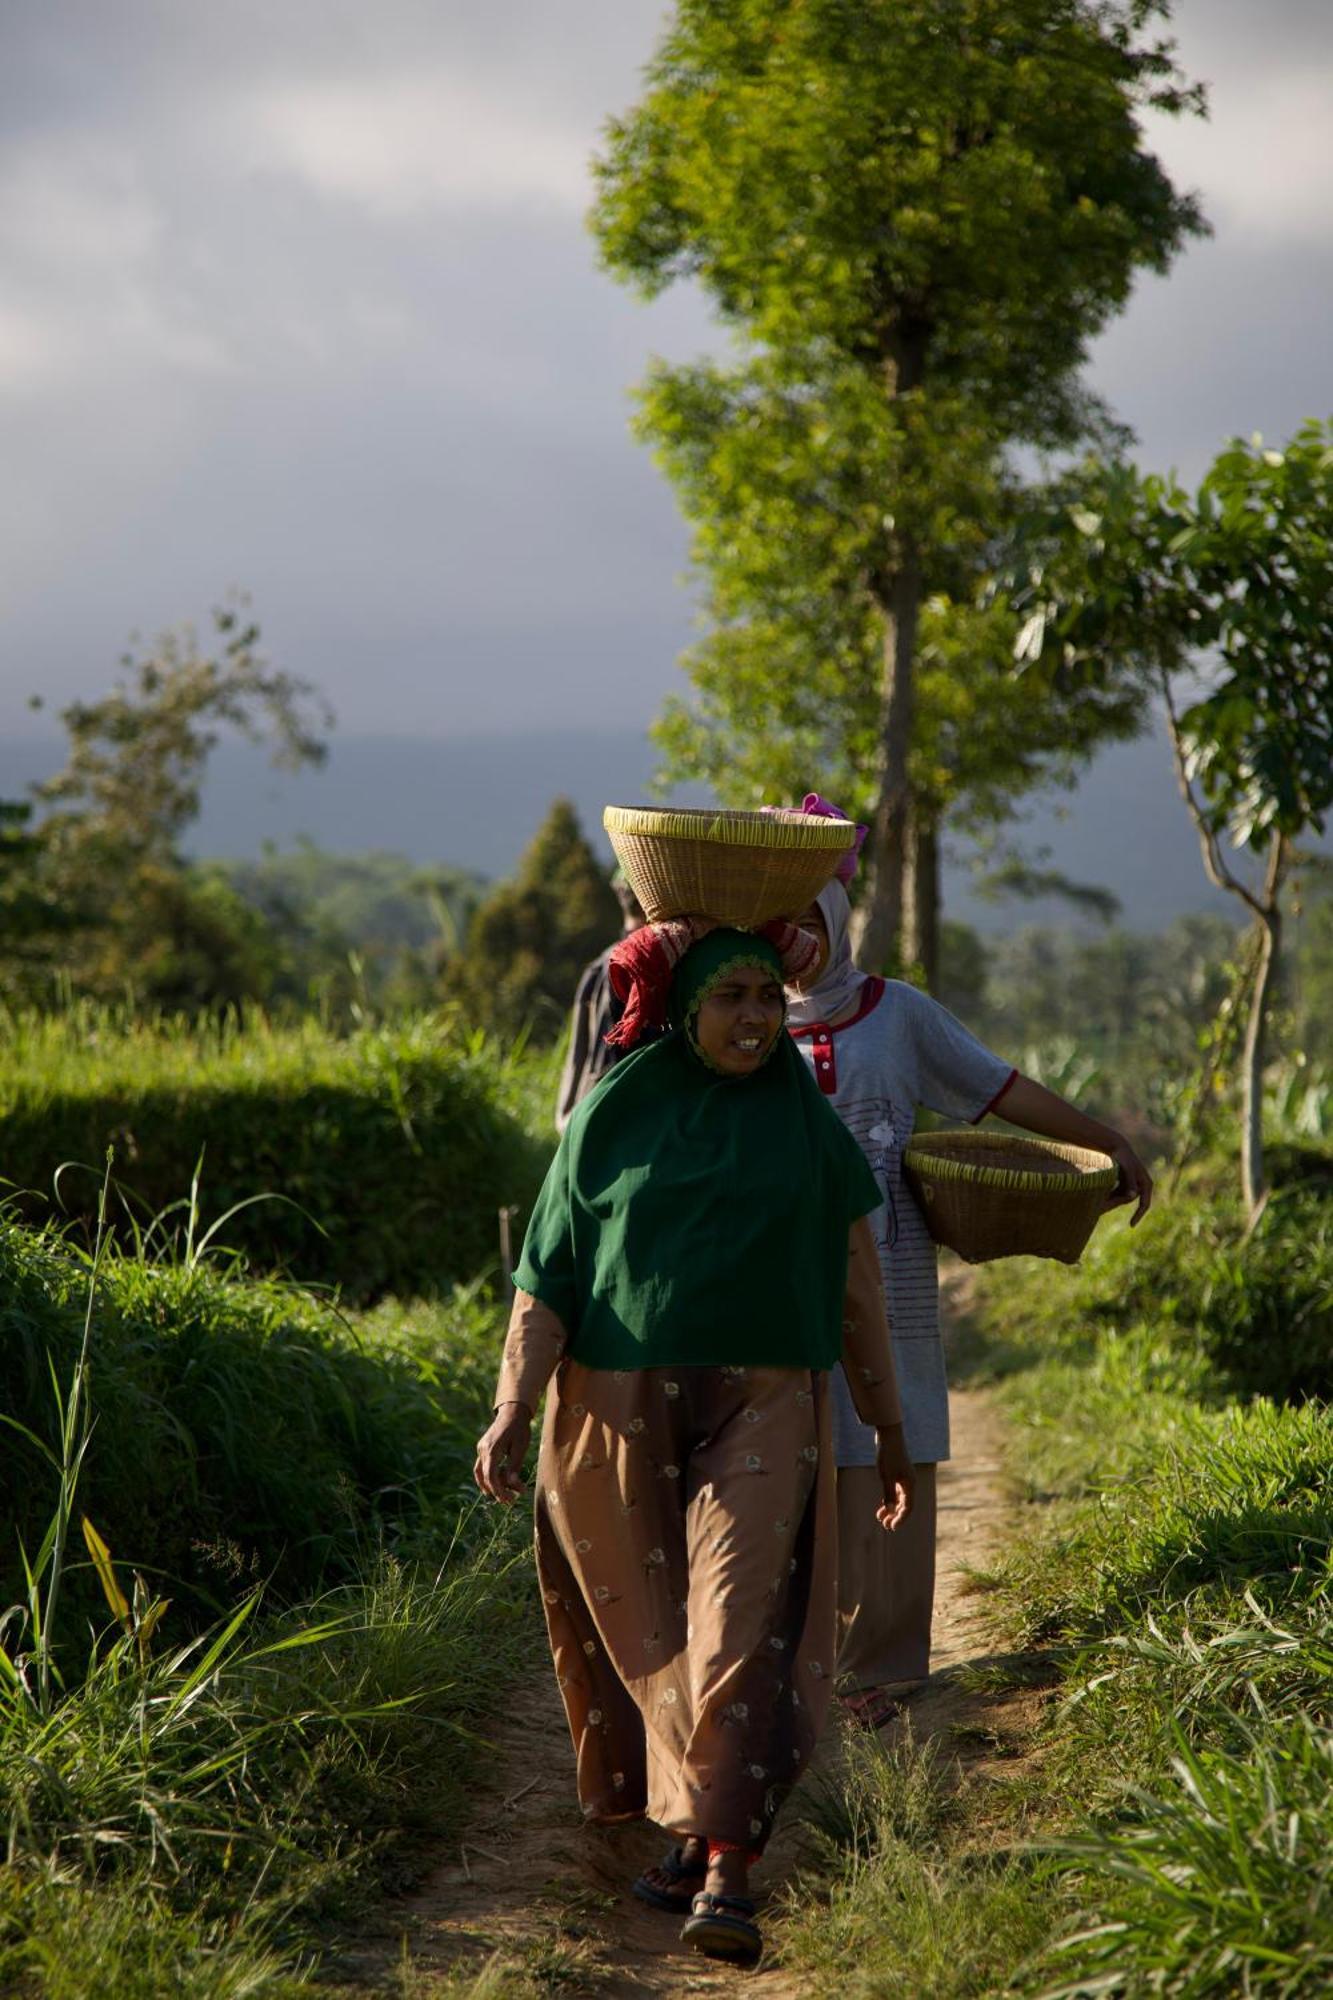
x,y
696,1263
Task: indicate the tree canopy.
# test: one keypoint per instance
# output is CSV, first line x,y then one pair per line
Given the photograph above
x,y
1224,599
532,937
93,886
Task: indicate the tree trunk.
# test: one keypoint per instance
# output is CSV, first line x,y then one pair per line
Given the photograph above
x,y
1253,1181
880,942
921,896
878,934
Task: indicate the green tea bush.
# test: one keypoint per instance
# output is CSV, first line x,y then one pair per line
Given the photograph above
x,y
393,1148
243,1431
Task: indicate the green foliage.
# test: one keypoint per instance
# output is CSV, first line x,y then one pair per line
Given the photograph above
x,y
1311,1029
131,785
1255,1308
824,168
1236,582
192,1824
356,931
1131,1007
785,482
532,938
1227,594
393,1147
1172,1553
184,1809
244,1432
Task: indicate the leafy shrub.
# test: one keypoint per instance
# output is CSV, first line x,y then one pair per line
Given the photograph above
x,y
1256,1311
393,1148
243,1431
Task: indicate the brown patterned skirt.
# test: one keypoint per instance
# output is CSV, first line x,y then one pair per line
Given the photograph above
x,y
686,1538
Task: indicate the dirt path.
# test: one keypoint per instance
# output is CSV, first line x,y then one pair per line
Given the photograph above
x,y
536,1889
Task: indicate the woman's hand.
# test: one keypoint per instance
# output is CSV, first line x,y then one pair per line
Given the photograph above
x,y
897,1476
1134,1184
500,1454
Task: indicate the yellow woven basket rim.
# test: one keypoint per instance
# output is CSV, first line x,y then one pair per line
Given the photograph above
x,y
732,829
958,1166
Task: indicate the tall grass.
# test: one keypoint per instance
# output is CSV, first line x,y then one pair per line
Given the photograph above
x,y
200,1804
1170,1833
908,1895
245,1432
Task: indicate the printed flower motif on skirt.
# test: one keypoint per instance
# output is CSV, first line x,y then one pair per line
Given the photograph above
x,y
710,1760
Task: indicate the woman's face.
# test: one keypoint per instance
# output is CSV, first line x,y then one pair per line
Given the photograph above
x,y
812,920
740,1019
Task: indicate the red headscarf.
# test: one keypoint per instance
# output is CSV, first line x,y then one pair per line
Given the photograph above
x,y
642,965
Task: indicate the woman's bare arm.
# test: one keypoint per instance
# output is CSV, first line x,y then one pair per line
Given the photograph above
x,y
1030,1104
533,1346
867,1362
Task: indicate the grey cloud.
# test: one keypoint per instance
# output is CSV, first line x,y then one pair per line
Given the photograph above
x,y
401,422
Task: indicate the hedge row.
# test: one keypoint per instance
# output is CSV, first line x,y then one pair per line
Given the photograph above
x,y
393,1149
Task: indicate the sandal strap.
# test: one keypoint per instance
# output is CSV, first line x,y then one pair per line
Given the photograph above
x,y
677,1869
742,1906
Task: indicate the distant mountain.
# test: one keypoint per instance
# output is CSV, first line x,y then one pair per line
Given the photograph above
x,y
476,802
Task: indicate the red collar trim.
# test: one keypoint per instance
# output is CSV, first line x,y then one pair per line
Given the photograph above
x,y
871,995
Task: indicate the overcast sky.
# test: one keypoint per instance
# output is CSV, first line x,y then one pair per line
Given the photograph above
x,y
297,296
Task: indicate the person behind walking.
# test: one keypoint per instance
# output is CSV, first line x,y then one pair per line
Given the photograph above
x,y
879,1050
594,1014
697,1262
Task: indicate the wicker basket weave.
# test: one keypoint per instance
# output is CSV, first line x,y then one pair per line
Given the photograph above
x,y
741,868
988,1195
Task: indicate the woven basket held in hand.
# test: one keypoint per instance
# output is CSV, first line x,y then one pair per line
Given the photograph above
x,y
987,1195
741,868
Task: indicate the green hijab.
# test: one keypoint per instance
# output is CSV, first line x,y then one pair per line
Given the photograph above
x,y
695,1217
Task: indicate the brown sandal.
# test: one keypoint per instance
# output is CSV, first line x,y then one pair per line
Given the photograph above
x,y
680,1877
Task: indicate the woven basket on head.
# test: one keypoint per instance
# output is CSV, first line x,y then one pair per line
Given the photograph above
x,y
741,868
987,1195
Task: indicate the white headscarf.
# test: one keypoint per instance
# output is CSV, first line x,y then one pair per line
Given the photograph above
x,y
841,981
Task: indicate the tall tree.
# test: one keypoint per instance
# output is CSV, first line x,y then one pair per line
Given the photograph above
x,y
532,937
787,683
915,214
103,858
1224,599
